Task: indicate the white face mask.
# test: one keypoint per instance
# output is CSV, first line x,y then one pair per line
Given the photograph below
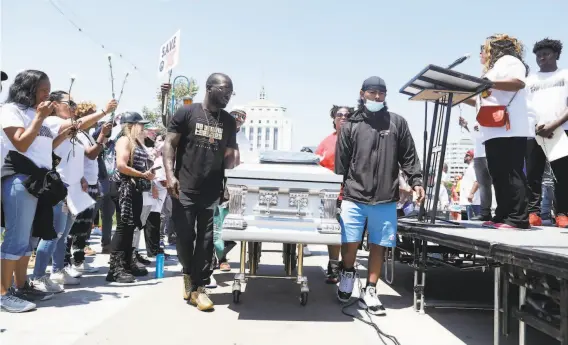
x,y
373,106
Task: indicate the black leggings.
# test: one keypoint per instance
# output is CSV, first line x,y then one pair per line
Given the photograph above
x,y
124,234
152,233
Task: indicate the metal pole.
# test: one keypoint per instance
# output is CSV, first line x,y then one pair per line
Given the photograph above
x,y
428,159
425,136
496,305
564,312
442,156
522,325
423,283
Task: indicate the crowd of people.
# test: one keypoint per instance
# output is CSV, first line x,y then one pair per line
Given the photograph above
x,y
525,178
63,163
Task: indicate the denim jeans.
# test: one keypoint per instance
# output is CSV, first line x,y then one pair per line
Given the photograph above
x,y
53,249
547,201
472,211
19,212
484,179
106,207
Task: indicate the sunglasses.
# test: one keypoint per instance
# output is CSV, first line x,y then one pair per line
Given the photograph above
x,y
342,115
239,117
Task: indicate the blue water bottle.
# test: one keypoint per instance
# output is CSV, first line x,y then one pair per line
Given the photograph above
x,y
160,265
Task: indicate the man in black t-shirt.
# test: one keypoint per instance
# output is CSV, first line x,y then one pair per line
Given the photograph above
x,y
202,140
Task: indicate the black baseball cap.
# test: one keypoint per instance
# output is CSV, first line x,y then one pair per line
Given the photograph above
x,y
374,83
132,117
4,76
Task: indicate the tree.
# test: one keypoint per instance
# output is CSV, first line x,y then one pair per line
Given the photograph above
x,y
180,91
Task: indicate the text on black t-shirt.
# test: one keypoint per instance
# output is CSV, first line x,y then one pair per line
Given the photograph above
x,y
201,149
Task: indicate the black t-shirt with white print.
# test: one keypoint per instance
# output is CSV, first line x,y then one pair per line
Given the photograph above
x,y
201,149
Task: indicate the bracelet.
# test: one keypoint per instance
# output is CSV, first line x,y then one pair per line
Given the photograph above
x,y
104,112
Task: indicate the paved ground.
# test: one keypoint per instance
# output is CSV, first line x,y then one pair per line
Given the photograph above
x,y
153,312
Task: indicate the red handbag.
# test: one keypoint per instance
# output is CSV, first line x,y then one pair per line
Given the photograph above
x,y
495,115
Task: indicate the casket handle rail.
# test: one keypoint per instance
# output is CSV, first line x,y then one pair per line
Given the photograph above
x,y
267,197
237,205
328,212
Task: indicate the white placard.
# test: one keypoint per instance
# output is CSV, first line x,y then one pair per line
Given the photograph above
x,y
78,200
169,54
556,147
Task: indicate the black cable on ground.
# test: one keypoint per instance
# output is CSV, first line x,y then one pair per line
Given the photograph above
x,y
381,334
369,322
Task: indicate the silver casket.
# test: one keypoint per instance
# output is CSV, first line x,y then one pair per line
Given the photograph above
x,y
284,197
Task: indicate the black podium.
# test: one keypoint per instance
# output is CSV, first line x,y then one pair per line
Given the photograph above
x,y
445,88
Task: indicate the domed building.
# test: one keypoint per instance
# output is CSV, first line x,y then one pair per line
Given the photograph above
x,y
267,126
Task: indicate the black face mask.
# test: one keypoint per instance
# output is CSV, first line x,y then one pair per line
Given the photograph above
x,y
148,142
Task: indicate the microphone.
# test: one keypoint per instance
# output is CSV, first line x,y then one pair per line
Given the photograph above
x,y
459,61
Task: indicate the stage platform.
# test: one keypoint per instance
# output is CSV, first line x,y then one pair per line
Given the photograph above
x,y
544,249
512,255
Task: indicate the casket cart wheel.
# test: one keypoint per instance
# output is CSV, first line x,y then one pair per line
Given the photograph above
x,y
304,298
236,296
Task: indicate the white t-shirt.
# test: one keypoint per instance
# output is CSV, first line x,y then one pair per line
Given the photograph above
x,y
91,165
522,122
443,198
71,167
467,184
547,95
477,136
446,177
40,150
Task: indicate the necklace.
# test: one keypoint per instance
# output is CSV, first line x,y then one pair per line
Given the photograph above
x,y
210,130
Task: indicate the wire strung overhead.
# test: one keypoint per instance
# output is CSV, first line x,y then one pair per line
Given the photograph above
x,y
80,29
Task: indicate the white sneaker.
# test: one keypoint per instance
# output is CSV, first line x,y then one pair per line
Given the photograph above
x,y
370,301
345,287
44,284
307,251
13,304
72,272
63,278
212,284
86,268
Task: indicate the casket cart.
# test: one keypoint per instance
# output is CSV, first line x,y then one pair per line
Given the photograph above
x,y
285,198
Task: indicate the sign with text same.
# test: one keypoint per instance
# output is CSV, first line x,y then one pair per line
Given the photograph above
x,y
169,54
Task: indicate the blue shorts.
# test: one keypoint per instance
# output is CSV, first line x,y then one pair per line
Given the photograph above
x,y
381,222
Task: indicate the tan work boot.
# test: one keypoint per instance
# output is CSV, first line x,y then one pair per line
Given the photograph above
x,y
201,300
186,287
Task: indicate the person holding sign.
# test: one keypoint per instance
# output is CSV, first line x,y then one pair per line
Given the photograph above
x,y
548,99
202,140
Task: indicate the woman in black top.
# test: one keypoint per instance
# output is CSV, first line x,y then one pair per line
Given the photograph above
x,y
133,178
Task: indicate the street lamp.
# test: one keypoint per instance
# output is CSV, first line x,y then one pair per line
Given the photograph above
x,y
186,100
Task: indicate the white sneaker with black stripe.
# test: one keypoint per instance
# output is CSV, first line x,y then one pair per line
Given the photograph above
x,y
345,287
369,300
